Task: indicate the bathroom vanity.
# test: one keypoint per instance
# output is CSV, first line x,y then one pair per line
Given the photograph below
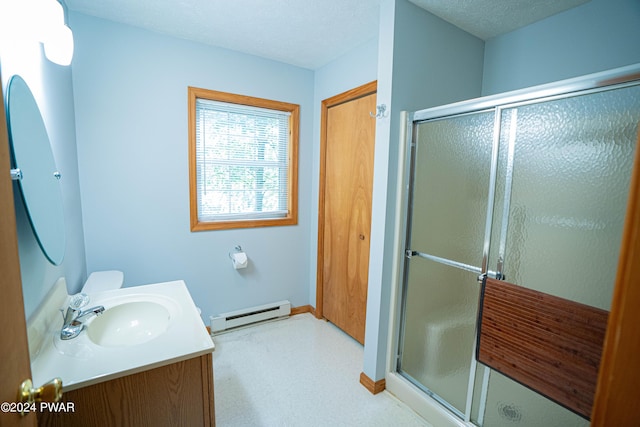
x,y
145,361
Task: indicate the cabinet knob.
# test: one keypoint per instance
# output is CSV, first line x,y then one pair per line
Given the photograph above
x,y
50,392
361,236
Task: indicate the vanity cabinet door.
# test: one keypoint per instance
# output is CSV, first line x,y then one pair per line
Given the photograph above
x,y
180,394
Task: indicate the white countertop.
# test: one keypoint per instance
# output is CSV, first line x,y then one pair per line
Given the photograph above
x,y
80,362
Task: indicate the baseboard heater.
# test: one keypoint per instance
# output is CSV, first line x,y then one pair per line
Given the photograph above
x,y
248,316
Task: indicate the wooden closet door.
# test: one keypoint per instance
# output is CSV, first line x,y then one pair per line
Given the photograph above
x,y
348,183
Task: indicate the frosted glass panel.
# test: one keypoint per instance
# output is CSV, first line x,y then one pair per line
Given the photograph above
x,y
572,160
510,404
438,338
451,183
571,170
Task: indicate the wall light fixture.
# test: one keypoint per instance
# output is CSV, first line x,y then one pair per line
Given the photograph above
x,y
42,21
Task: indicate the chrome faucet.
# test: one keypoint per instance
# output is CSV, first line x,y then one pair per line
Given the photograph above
x,y
73,321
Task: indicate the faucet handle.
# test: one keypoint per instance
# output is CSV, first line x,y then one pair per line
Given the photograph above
x,y
69,314
79,300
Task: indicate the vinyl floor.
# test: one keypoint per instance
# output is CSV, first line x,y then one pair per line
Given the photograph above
x,y
300,372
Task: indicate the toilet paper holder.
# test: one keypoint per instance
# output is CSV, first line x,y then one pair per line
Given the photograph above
x,y
238,258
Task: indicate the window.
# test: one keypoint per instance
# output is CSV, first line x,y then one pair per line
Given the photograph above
x,y
243,161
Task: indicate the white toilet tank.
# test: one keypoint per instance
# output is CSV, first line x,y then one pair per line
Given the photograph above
x,y
99,281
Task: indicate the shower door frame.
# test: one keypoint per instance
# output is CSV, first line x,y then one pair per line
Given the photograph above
x,y
616,78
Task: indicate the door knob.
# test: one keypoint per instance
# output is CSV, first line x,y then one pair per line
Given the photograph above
x,y
49,392
361,236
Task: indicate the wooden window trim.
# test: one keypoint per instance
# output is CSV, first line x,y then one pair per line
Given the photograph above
x,y
294,124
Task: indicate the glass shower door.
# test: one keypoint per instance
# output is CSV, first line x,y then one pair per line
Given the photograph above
x,y
563,174
451,180
533,190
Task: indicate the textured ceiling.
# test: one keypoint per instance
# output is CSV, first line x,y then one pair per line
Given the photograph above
x,y
489,18
305,33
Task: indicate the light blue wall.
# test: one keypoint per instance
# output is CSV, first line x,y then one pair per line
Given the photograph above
x,y
423,61
52,88
354,69
597,36
131,111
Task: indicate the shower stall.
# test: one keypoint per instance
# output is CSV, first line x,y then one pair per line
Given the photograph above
x,y
529,187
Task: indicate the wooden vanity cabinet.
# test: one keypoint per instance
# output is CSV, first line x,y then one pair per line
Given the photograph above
x,y
179,394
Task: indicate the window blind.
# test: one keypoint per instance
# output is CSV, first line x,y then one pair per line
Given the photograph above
x,y
241,161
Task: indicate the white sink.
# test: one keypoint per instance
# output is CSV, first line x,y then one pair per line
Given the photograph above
x,y
129,323
142,327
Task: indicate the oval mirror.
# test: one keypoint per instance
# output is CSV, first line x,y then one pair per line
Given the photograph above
x,y
32,156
